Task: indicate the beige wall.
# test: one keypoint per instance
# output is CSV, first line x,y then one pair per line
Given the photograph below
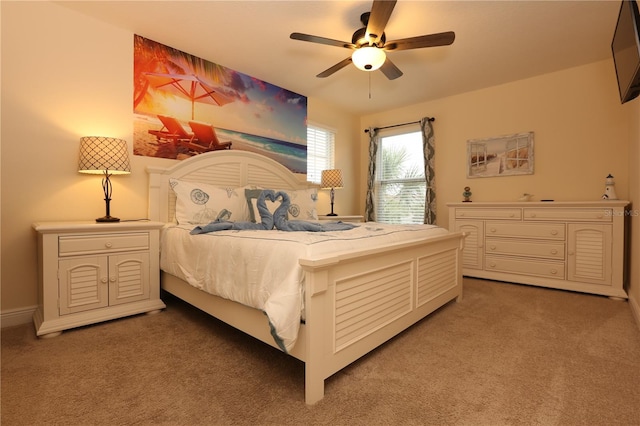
x,y
65,76
582,133
633,110
346,149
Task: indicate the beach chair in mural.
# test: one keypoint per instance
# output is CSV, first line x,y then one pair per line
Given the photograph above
x,y
207,140
172,131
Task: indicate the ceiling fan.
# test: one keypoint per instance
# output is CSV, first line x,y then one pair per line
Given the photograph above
x,y
369,43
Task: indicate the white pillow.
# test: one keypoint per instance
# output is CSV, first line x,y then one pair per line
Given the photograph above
x,y
201,203
303,203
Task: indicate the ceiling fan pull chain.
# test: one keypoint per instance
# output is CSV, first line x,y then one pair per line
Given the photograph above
x,y
369,85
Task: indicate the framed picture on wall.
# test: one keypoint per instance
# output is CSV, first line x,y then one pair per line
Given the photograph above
x,y
507,155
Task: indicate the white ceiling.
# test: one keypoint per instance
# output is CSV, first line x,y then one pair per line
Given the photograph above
x,y
496,42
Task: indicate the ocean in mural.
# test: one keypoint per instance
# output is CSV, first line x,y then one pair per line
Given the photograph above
x,y
254,115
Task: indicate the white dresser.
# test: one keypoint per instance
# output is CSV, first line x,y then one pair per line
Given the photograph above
x,y
570,245
91,272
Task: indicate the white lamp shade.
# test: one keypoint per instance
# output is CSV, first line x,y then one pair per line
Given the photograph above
x,y
99,154
331,179
368,58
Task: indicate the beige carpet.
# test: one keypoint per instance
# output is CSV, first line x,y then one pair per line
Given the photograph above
x,y
505,355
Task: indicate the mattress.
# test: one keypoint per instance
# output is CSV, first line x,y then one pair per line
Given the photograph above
x,y
261,268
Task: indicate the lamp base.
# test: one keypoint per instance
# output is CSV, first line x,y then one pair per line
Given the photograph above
x,y
332,214
108,219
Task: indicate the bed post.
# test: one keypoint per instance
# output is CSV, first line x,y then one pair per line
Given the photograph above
x,y
316,324
460,277
154,193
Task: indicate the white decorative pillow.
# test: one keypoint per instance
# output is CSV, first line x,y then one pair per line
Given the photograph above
x,y
303,203
201,203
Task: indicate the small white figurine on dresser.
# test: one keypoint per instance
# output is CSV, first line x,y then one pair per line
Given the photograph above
x,y
609,189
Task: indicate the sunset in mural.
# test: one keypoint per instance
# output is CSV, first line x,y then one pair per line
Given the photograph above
x,y
175,93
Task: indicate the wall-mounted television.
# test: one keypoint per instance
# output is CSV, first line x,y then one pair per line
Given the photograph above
x,y
626,50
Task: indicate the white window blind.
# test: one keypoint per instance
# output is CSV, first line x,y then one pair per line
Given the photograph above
x,y
400,183
320,148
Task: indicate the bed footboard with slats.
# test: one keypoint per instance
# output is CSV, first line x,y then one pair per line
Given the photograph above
x,y
357,301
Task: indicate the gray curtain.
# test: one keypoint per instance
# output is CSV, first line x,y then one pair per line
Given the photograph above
x,y
428,148
370,214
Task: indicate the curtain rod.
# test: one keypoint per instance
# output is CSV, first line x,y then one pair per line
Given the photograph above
x,y
398,125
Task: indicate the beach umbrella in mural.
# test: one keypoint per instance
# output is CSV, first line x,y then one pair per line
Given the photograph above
x,y
190,87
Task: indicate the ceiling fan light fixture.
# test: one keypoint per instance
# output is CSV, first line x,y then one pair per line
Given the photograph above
x,y
368,58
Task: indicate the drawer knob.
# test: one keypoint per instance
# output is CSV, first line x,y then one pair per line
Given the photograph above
x,y
492,264
103,280
462,214
533,215
512,215
493,229
112,279
554,272
554,251
554,232
492,247
108,244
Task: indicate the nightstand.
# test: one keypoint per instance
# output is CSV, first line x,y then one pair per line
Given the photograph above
x,y
341,218
90,272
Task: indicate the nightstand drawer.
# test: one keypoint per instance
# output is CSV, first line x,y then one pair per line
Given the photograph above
x,y
549,231
525,267
72,245
546,250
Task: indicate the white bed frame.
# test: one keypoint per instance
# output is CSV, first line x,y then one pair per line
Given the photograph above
x,y
354,301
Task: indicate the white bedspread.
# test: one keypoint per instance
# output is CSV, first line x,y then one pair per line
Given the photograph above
x,y
261,268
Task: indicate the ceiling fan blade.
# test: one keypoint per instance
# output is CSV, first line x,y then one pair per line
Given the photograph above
x,y
390,70
336,67
322,40
431,40
380,13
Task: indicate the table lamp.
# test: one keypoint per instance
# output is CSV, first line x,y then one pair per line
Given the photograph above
x,y
108,156
331,179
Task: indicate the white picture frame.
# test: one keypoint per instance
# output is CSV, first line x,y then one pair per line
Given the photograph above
x,y
507,155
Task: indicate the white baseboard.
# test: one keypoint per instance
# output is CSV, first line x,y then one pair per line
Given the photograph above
x,y
635,309
19,316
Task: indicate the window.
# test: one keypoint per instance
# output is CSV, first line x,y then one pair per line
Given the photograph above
x,y
320,145
400,183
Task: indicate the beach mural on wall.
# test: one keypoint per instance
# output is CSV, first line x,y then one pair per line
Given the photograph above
x,y
173,88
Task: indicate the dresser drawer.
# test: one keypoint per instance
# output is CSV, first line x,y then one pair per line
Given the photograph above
x,y
539,268
101,243
482,213
572,215
550,231
548,250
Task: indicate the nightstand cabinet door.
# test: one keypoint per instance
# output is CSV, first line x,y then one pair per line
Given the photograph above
x,y
83,284
128,278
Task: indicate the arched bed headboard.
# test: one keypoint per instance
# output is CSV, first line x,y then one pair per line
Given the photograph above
x,y
225,168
